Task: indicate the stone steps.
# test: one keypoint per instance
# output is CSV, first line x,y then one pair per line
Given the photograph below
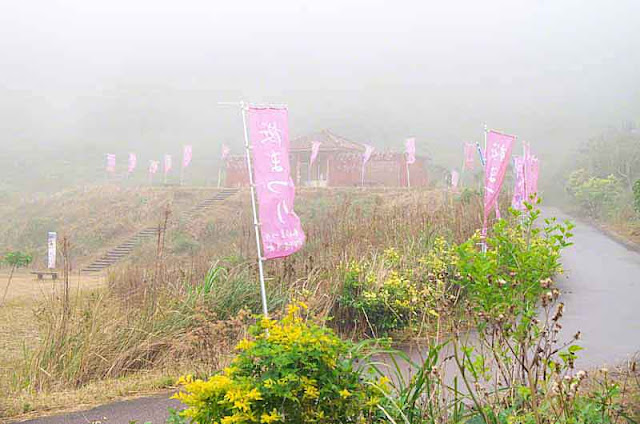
x,y
125,248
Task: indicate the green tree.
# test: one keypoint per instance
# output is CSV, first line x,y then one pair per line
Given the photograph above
x,y
615,152
594,196
15,259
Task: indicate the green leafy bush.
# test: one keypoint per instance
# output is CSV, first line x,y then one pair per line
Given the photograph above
x,y
593,195
399,294
510,276
291,371
636,196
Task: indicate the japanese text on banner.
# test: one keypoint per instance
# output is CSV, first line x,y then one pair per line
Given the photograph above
x,y
280,228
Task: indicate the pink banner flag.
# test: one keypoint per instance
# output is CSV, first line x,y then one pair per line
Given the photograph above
x,y
499,147
517,202
225,152
469,155
187,154
153,166
410,150
133,162
368,150
455,178
111,163
532,186
280,228
167,163
315,149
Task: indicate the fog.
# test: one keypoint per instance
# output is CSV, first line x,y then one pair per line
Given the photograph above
x,y
79,78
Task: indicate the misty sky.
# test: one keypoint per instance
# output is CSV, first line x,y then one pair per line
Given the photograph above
x,y
147,74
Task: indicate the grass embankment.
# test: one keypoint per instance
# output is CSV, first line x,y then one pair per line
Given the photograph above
x,y
157,318
94,218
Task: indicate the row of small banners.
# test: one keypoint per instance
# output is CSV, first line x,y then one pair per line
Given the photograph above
x,y
154,165
187,155
498,145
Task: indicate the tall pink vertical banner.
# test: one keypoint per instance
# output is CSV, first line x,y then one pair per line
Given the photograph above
x,y
133,162
167,164
410,150
225,152
498,153
455,178
534,171
469,156
368,150
187,155
111,163
517,202
315,149
280,228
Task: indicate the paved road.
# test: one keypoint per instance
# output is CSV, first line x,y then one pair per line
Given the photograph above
x,y
601,291
150,409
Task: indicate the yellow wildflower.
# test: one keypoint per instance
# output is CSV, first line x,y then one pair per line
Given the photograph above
x,y
344,393
245,344
270,418
311,392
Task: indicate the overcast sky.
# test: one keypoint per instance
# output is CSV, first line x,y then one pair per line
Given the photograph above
x,y
147,74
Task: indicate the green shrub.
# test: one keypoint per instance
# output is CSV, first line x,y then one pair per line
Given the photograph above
x,y
636,196
291,371
593,195
510,276
399,293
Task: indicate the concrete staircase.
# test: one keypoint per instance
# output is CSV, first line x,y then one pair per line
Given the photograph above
x,y
125,248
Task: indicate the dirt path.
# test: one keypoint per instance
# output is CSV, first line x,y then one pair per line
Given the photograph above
x,y
601,291
26,287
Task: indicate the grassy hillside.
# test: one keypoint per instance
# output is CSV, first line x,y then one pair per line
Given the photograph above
x,y
94,218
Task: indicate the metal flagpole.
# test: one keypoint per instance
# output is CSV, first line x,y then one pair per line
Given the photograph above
x,y
486,129
256,223
464,162
483,244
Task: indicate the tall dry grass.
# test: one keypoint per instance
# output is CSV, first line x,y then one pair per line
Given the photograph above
x,y
178,311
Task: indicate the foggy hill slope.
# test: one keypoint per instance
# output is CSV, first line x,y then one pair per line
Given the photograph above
x,y
94,218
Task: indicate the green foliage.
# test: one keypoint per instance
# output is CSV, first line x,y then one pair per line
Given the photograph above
x,y
18,259
503,377
636,196
594,196
468,195
615,152
401,293
291,371
184,243
383,307
508,278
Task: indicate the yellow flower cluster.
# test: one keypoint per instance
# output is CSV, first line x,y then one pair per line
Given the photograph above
x,y
230,395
